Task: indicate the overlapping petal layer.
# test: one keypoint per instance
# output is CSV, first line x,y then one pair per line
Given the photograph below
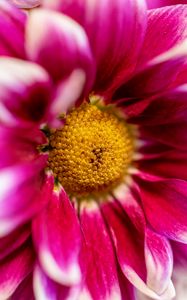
x,y
97,259
25,93
12,24
114,42
15,269
57,238
149,269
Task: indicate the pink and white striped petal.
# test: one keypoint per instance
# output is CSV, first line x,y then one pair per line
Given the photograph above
x,y
164,202
157,76
24,92
12,24
57,237
138,259
97,258
15,269
127,27
47,289
25,190
174,33
66,50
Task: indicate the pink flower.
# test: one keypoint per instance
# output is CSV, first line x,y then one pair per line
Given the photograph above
x,y
93,149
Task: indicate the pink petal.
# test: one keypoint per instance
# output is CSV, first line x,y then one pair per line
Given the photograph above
x,y
24,290
56,233
18,146
11,242
14,270
24,92
97,258
12,22
159,3
26,3
66,50
158,40
25,190
174,134
138,257
67,92
172,164
158,75
168,107
127,26
46,289
165,206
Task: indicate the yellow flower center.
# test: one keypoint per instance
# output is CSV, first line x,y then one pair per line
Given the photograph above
x,y
90,154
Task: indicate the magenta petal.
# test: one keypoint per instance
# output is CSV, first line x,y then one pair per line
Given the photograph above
x,y
25,190
24,91
18,146
56,233
14,240
175,31
127,26
159,261
97,258
158,3
47,289
66,50
168,107
165,206
157,75
24,290
15,269
137,247
171,164
173,134
12,22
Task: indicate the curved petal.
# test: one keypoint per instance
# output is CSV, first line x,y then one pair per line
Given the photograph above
x,y
97,258
66,50
169,107
24,92
114,42
25,190
172,164
47,289
26,3
12,23
56,233
165,205
158,40
137,247
157,76
173,134
14,240
15,269
24,290
19,146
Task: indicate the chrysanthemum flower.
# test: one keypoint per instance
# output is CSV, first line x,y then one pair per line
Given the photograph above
x,y
93,149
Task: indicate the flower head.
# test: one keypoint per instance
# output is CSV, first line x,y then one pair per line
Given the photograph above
x,y
93,131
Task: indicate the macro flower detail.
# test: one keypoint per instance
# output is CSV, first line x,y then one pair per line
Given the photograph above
x,y
93,141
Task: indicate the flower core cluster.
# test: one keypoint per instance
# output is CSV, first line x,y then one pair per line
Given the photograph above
x,y
92,152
